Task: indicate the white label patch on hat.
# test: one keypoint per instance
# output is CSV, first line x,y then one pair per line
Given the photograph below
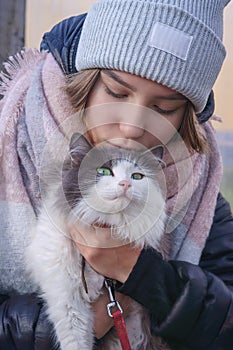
x,y
170,40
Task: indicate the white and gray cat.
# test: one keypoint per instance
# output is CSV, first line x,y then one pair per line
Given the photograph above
x,y
104,187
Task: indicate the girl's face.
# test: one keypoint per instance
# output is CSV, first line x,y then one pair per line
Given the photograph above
x,y
149,113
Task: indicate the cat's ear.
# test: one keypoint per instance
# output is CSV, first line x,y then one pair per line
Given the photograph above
x,y
157,152
78,148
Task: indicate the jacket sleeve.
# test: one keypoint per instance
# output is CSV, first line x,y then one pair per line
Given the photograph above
x,y
191,306
24,325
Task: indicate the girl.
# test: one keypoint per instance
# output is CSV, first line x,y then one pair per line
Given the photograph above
x,y
162,56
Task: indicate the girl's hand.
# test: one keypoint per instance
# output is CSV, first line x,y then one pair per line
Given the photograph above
x,y
104,254
102,321
109,258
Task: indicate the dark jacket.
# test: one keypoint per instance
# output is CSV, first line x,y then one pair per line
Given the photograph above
x,y
190,306
24,325
62,41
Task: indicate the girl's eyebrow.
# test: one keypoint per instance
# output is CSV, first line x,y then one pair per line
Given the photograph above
x,y
172,97
118,79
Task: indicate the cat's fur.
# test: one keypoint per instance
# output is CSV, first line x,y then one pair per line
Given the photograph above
x,y
53,259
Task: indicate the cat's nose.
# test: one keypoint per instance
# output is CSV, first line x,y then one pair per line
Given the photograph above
x,y
125,184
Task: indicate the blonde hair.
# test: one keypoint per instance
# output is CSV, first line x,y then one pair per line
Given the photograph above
x,y
191,132
80,85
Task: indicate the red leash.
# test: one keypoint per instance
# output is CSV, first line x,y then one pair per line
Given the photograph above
x,y
117,316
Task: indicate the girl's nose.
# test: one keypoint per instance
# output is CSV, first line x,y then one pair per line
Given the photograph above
x,y
132,119
131,131
125,184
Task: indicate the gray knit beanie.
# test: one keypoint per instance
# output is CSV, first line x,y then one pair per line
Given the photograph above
x,y
177,43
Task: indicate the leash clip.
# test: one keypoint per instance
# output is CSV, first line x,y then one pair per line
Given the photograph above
x,y
113,302
117,315
110,305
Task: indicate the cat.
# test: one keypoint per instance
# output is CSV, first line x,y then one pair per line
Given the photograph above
x,y
103,186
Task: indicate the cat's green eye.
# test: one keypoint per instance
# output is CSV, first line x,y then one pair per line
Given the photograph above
x,y
104,171
137,176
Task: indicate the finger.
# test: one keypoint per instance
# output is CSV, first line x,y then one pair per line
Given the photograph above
x,y
92,236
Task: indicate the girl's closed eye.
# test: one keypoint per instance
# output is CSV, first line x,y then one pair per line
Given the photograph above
x,y
169,111
165,111
114,94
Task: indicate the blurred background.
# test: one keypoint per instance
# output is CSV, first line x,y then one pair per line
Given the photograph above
x,y
23,22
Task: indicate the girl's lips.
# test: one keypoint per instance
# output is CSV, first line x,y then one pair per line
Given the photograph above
x,y
122,146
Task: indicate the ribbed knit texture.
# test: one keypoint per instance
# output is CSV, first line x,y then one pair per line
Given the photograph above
x,y
116,35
